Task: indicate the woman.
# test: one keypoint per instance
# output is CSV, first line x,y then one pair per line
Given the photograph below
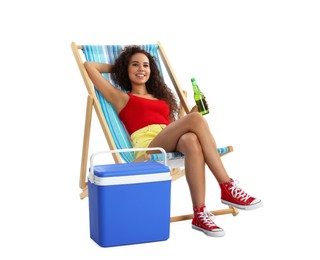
x,y
149,112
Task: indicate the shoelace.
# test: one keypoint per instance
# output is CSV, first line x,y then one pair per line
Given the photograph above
x,y
237,192
207,218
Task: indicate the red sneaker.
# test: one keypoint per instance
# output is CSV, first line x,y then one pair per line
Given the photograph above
x,y
234,196
202,221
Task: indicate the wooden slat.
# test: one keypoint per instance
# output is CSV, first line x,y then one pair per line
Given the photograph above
x,y
231,210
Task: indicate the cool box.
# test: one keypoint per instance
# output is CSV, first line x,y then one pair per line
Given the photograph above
x,y
129,203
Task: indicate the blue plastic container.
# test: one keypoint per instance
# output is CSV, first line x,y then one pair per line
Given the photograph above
x,y
129,203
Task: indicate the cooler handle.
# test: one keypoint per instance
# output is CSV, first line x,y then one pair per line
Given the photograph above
x,y
164,154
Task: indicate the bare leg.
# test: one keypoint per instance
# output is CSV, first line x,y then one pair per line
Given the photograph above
x,y
191,136
190,146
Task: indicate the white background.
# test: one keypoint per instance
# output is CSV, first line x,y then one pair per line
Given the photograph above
x,y
257,63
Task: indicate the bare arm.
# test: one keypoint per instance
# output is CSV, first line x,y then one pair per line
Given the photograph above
x,y
117,98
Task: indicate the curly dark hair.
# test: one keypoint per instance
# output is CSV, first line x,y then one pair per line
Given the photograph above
x,y
155,85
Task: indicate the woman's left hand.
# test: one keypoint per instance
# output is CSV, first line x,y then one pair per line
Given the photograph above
x,y
194,109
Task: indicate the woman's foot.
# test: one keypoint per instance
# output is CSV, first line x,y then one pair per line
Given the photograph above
x,y
202,221
234,196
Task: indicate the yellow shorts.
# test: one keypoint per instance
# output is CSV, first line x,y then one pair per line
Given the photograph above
x,y
143,137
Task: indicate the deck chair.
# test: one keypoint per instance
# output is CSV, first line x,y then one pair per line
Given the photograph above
x,y
114,131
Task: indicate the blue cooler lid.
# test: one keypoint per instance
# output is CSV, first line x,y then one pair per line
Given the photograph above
x,y
126,173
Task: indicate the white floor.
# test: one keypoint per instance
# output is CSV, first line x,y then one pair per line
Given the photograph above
x,y
259,69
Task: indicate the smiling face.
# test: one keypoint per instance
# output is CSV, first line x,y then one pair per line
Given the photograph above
x,y
139,69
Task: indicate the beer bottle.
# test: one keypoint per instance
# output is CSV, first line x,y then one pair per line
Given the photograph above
x,y
199,98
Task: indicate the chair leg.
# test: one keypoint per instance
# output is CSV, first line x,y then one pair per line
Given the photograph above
x,y
177,173
85,147
84,193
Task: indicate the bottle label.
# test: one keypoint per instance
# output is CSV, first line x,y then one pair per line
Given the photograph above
x,y
202,106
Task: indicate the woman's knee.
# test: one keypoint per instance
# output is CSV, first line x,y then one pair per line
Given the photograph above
x,y
196,119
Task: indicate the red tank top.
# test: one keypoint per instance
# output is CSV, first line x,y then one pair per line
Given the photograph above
x,y
140,112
